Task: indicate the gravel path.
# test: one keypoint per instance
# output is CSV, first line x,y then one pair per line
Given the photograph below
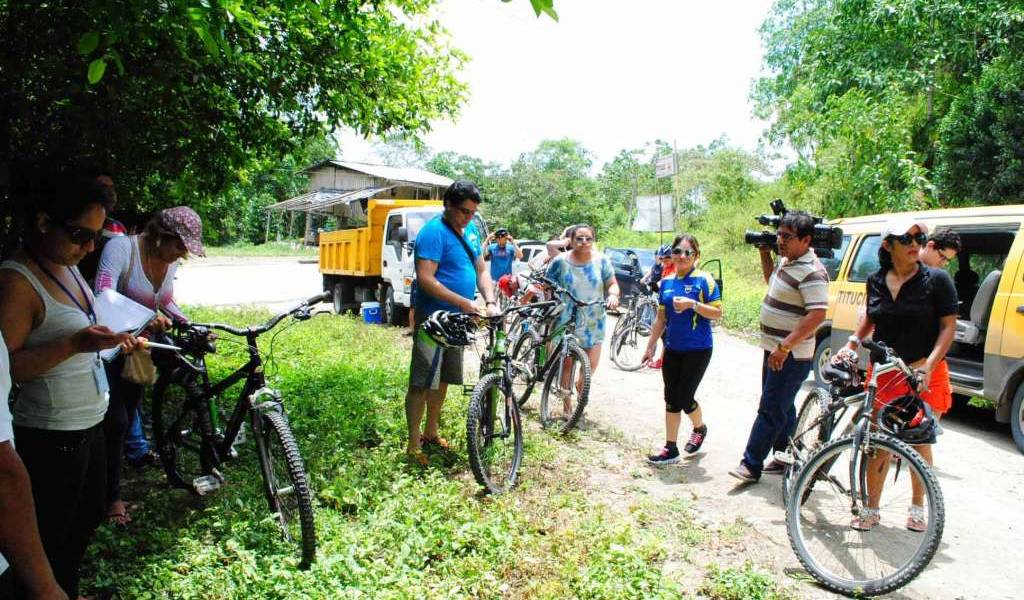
x,y
980,471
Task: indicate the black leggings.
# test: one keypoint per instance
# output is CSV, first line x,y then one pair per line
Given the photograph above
x,y
125,397
68,474
682,372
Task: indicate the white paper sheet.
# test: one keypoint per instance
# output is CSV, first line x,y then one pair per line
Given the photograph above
x,y
120,314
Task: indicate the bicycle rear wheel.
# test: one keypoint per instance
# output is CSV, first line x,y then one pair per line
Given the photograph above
x,y
285,483
805,442
630,344
871,562
494,435
524,365
178,425
572,391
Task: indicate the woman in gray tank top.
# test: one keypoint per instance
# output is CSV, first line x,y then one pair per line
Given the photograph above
x,y
48,322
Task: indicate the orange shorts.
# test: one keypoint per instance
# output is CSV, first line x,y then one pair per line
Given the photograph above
x,y
893,384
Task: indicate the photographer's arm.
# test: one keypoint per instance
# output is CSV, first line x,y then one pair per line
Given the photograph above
x,y
767,263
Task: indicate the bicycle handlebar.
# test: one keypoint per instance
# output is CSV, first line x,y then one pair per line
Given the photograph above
x,y
561,290
271,323
881,353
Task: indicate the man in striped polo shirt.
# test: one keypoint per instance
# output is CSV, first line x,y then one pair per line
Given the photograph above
x,y
790,314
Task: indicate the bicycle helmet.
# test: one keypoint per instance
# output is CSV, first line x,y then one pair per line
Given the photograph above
x,y
664,251
508,284
843,371
908,418
450,329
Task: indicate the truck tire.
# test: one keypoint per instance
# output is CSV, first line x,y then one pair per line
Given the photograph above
x,y
1017,417
393,313
339,303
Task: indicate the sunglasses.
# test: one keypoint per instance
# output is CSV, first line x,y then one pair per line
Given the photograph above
x,y
583,238
906,238
81,236
681,252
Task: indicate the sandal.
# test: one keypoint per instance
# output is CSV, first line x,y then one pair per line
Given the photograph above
x,y
916,519
867,520
439,441
417,457
119,518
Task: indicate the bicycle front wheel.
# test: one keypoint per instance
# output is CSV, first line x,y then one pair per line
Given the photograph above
x,y
179,424
888,555
285,483
805,442
629,345
566,391
494,435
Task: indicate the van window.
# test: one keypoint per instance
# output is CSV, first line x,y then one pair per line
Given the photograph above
x,y
866,261
832,264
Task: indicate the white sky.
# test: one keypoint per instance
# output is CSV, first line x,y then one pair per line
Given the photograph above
x,y
612,74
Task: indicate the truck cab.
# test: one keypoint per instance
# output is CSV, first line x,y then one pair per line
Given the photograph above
x,y
397,265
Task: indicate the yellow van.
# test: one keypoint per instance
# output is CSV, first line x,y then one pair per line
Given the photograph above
x,y
987,356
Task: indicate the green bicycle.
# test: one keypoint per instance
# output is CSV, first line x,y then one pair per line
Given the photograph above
x,y
494,429
565,370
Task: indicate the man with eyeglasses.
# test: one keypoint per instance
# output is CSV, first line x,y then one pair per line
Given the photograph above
x,y
790,314
449,270
942,247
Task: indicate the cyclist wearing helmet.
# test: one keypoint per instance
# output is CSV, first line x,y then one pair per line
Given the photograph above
x,y
449,270
688,302
663,267
912,308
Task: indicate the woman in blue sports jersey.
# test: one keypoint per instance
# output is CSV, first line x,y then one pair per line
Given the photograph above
x,y
688,302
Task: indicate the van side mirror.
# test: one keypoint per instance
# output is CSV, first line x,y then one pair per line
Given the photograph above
x,y
403,235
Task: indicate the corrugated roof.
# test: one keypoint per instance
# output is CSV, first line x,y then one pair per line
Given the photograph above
x,y
320,201
402,174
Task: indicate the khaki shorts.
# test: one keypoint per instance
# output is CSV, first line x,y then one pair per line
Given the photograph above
x,y
433,364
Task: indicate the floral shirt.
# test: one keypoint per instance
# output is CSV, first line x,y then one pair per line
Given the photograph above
x,y
587,283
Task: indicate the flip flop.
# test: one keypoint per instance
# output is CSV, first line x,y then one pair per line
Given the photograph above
x,y
439,441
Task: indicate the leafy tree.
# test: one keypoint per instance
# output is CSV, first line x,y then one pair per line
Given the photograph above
x,y
861,88
182,95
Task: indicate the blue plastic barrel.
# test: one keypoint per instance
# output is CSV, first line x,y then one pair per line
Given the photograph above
x,y
370,312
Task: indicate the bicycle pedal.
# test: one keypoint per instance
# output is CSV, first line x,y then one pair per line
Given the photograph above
x,y
784,457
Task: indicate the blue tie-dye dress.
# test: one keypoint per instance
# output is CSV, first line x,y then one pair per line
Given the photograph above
x,y
586,282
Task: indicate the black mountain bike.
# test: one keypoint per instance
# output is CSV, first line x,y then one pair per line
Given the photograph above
x,y
494,429
194,441
633,330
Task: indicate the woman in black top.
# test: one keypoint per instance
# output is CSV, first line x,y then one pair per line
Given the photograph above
x,y
912,308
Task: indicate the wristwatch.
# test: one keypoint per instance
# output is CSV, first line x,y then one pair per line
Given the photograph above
x,y
854,340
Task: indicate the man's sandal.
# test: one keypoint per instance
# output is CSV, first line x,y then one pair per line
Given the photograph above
x,y
439,441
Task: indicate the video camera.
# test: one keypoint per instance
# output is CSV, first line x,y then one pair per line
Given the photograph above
x,y
824,239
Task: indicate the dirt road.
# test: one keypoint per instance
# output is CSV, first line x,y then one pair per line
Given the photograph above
x,y
979,468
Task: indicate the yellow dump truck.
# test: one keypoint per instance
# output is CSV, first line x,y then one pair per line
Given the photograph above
x,y
375,263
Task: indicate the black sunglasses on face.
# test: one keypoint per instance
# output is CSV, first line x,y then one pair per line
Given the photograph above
x,y
81,236
681,252
906,238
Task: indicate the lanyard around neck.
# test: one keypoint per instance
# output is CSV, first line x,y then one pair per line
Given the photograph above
x,y
88,308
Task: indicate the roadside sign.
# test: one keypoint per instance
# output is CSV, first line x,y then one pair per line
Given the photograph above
x,y
665,166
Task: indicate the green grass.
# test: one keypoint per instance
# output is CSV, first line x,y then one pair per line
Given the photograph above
x,y
741,583
385,529
292,248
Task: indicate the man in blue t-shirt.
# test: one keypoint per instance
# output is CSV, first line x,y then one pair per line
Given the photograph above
x,y
449,270
501,253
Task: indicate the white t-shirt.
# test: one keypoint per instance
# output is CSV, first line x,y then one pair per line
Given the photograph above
x,y
6,429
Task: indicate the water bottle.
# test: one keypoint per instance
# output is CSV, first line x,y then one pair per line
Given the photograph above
x,y
206,484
